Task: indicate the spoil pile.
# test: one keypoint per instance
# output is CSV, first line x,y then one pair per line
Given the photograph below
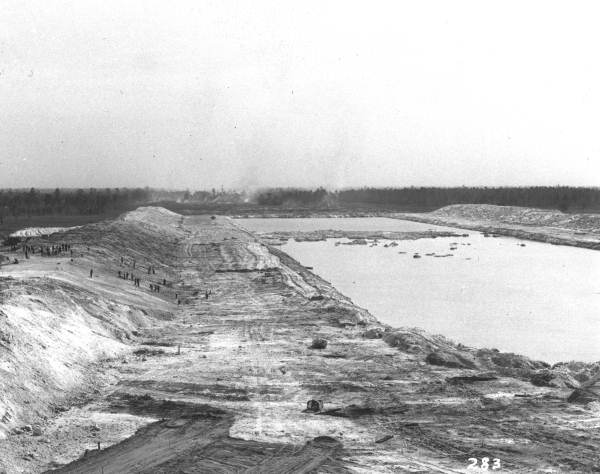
x,y
213,372
555,227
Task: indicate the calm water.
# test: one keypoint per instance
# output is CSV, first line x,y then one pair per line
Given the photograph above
x,y
539,300
335,223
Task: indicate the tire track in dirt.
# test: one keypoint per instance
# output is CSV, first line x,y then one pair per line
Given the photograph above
x,y
233,399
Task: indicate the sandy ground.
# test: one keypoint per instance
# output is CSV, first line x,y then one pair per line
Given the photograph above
x,y
38,231
554,227
220,384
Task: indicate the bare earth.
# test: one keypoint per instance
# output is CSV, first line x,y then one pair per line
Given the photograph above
x,y
220,384
554,227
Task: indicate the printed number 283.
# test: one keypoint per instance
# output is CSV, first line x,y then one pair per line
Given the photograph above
x,y
485,464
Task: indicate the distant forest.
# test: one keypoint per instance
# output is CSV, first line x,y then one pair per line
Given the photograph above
x,y
16,203
564,198
98,202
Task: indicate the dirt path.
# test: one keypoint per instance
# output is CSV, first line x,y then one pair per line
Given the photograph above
x,y
221,384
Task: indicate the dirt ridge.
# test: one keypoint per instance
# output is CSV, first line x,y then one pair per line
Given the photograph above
x,y
542,225
231,351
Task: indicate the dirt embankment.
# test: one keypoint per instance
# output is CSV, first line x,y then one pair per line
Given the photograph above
x,y
554,227
213,373
50,333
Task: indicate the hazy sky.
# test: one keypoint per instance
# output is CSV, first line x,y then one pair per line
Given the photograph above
x,y
208,93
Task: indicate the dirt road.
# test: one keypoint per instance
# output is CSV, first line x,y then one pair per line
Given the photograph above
x,y
220,382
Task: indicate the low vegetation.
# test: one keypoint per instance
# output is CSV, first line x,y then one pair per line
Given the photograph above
x,y
564,198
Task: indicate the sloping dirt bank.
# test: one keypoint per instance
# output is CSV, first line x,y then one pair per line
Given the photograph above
x,y
217,373
50,332
553,227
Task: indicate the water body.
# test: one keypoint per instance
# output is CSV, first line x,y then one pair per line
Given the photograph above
x,y
335,223
539,300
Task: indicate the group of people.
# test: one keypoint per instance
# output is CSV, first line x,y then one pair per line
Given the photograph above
x,y
136,281
58,249
154,287
29,249
130,276
47,250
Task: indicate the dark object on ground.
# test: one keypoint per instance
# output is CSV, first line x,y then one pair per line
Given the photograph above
x,y
554,378
318,343
509,360
355,411
471,378
144,351
325,440
588,392
314,406
384,439
330,412
407,342
542,378
374,333
447,359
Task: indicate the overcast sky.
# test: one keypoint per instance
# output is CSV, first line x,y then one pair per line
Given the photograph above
x,y
208,93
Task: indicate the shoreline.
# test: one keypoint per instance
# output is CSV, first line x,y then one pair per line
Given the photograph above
x,y
518,223
359,237
535,236
534,231
301,269
237,369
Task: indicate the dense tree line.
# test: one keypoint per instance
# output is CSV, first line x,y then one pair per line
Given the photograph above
x,y
33,202
201,196
564,198
291,196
